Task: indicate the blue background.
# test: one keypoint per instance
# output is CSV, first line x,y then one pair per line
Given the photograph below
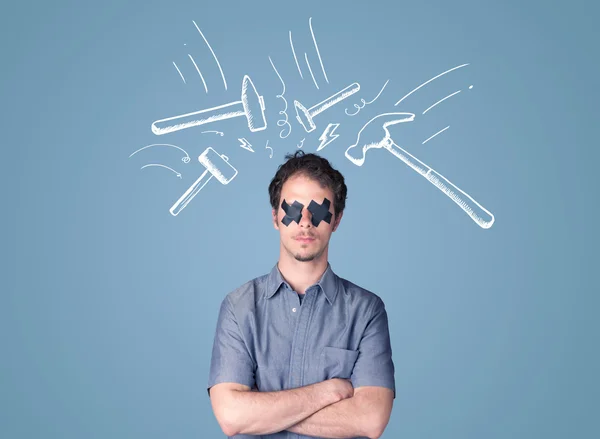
x,y
109,303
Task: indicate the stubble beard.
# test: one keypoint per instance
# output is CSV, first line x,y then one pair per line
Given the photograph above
x,y
309,257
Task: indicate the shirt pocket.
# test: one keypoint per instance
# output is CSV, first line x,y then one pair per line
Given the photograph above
x,y
337,362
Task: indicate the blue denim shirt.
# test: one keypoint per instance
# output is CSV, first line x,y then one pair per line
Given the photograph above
x,y
266,338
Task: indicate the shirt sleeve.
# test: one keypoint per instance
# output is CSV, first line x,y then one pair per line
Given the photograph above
x,y
374,365
231,360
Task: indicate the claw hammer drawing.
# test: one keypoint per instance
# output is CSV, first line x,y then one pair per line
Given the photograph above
x,y
375,134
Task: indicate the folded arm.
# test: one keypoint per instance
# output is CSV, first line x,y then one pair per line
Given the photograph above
x,y
366,414
313,410
232,377
241,411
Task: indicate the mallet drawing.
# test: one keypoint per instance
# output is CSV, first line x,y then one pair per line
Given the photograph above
x,y
217,165
251,105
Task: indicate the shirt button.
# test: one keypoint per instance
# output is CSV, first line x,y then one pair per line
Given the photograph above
x,y
293,309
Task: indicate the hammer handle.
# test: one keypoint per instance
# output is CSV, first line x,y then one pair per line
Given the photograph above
x,y
191,193
477,212
176,123
334,99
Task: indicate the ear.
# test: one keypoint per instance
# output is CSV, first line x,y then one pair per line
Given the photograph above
x,y
274,219
336,223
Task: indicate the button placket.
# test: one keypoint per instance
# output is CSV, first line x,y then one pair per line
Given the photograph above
x,y
299,342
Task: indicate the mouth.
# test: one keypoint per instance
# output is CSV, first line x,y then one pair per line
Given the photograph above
x,y
305,239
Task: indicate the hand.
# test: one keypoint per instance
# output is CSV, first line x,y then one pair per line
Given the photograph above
x,y
341,388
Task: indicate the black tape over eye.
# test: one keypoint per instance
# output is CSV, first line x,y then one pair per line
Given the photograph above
x,y
320,212
292,213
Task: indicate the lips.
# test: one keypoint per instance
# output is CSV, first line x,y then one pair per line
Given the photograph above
x,y
305,239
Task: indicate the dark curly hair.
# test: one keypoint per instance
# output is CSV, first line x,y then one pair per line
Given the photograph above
x,y
316,168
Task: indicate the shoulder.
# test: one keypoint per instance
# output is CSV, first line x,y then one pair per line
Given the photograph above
x,y
360,296
245,296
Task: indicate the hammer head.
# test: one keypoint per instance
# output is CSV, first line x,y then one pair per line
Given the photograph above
x,y
254,106
304,117
218,165
374,134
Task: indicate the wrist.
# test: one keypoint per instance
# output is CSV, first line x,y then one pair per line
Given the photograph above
x,y
331,393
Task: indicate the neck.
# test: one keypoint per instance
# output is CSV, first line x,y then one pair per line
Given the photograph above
x,y
301,275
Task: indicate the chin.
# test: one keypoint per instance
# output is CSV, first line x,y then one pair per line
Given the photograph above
x,y
305,258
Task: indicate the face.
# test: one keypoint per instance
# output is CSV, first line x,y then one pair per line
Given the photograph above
x,y
304,209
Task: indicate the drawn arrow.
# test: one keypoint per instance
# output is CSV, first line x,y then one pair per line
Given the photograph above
x,y
185,159
162,166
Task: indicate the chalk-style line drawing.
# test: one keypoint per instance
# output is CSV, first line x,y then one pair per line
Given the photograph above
x,y
213,54
294,53
327,137
428,81
245,144
162,166
378,136
310,70
301,143
268,147
305,117
359,107
317,48
282,122
217,165
251,105
180,74
441,100
440,131
200,73
220,133
185,159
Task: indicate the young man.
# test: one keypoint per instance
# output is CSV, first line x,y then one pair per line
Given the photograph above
x,y
301,352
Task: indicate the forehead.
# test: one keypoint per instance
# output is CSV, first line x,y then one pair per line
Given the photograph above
x,y
304,189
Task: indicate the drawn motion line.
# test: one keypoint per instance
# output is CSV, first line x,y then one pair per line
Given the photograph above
x,y
180,74
200,73
295,58
428,81
213,54
359,107
310,70
162,166
441,100
185,159
317,49
268,147
440,131
282,122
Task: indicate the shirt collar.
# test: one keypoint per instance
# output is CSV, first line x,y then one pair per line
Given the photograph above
x,y
328,283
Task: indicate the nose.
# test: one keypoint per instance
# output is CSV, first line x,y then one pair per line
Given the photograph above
x,y
306,220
